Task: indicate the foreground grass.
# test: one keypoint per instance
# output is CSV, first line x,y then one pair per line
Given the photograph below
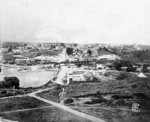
x,y
122,93
17,103
51,94
44,115
114,115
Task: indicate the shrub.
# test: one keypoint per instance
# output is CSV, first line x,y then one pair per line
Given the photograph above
x,y
134,86
95,100
58,87
121,76
131,69
122,97
141,96
68,101
95,79
120,102
107,74
3,92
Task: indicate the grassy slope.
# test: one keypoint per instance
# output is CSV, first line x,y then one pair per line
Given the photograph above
x,y
10,104
114,115
125,92
131,86
44,115
52,94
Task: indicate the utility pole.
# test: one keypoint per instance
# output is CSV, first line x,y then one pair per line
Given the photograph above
x,y
14,91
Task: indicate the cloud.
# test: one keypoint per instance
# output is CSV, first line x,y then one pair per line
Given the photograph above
x,y
88,21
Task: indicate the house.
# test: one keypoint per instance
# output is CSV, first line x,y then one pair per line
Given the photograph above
x,y
100,66
76,78
24,61
124,68
141,75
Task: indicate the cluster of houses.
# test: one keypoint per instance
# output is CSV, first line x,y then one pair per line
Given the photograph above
x,y
79,56
25,48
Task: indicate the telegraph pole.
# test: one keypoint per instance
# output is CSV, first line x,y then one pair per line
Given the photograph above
x,y
14,91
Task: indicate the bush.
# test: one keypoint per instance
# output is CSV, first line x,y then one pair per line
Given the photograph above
x,y
69,50
95,100
107,74
131,69
134,86
122,97
120,102
68,101
62,44
121,76
3,92
58,87
144,69
141,96
95,79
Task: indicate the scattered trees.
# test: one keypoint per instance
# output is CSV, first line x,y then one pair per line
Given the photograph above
x,y
123,63
142,54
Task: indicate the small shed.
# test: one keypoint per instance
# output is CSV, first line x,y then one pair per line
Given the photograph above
x,y
141,75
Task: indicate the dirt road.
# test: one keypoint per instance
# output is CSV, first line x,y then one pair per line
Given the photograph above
x,y
66,108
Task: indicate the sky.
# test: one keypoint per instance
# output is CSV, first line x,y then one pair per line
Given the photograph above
x,y
76,21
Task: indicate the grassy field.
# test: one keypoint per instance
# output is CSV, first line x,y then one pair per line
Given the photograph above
x,y
116,115
51,114
8,57
121,93
9,92
31,79
38,53
11,104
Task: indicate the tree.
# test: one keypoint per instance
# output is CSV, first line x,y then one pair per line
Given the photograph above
x,y
89,52
62,44
9,82
10,49
145,69
117,65
75,45
69,50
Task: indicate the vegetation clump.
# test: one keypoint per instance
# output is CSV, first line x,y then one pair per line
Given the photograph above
x,y
68,101
121,76
10,82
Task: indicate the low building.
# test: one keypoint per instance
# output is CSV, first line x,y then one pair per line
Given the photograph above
x,y
100,66
24,61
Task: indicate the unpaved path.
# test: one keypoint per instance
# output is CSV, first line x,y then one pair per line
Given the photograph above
x,y
66,108
63,107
